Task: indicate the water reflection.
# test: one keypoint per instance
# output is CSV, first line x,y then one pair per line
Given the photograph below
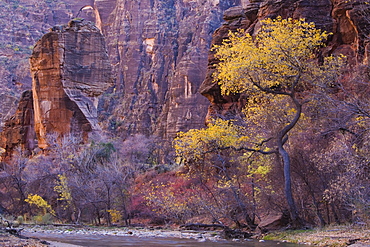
x,y
118,241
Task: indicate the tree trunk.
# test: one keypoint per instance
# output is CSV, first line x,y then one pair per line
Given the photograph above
x,y
281,139
288,186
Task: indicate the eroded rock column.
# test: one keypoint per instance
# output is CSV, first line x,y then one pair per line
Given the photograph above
x,y
70,69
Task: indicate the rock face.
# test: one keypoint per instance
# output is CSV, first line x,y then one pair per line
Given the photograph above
x,y
19,129
273,221
23,23
159,50
70,69
347,20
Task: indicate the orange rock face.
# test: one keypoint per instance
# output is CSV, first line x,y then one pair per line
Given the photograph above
x,y
19,129
70,69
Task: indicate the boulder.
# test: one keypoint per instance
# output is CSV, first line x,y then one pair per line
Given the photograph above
x,y
273,221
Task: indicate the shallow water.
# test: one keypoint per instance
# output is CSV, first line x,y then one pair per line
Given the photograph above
x,y
117,241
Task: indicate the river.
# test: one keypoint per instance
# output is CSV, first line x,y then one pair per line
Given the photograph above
x,y
117,241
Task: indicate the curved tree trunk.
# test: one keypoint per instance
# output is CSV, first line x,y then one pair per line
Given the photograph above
x,y
281,139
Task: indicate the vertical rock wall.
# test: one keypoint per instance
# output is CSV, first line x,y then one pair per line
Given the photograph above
x,y
159,52
23,22
70,69
19,129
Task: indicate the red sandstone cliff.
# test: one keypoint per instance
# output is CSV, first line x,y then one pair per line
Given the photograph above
x,y
158,50
23,22
70,69
19,129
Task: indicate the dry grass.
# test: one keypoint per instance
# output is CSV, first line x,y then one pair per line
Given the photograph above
x,y
329,236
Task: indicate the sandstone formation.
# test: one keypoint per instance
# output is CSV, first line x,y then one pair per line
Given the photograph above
x,y
23,23
159,51
19,129
70,69
347,20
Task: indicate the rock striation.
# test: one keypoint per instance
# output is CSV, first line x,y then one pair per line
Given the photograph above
x,y
23,23
158,50
348,21
159,53
70,69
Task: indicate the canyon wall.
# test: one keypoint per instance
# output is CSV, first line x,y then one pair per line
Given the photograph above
x,y
70,69
159,51
348,21
19,130
23,23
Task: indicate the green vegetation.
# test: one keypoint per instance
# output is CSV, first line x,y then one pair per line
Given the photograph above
x,y
288,235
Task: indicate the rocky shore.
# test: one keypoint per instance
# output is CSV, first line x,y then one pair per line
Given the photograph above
x,y
122,231
9,240
30,234
332,236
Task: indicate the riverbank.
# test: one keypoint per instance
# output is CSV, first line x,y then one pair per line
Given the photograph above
x,y
331,236
344,235
123,231
7,239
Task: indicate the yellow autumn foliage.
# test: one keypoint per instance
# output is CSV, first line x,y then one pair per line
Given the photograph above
x,y
115,215
192,145
276,68
282,50
63,190
40,202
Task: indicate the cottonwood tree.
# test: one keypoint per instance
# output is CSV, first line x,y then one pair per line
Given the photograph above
x,y
210,156
276,68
